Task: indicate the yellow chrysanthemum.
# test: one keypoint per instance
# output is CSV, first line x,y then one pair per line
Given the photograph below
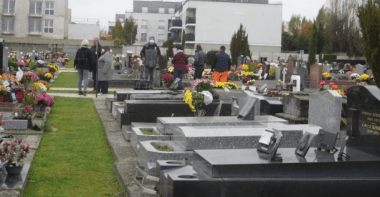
x,y
188,98
48,75
326,74
171,69
223,84
37,85
364,77
245,67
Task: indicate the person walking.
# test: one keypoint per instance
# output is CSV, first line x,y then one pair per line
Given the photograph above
x,y
221,65
83,62
150,54
105,71
199,62
179,61
94,54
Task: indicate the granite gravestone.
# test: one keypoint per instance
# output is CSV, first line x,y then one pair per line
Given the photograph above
x,y
359,69
5,59
325,110
363,118
302,72
240,60
325,68
369,71
248,110
278,73
341,65
247,60
291,65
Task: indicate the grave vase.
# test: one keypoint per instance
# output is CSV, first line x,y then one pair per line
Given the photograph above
x,y
290,88
13,169
2,99
20,94
117,67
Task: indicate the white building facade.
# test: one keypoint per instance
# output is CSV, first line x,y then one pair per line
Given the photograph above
x,y
40,18
212,24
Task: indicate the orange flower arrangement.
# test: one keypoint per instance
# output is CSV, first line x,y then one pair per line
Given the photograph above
x,y
9,76
335,87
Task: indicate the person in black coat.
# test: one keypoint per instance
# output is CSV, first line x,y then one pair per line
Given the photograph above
x,y
93,70
83,63
150,54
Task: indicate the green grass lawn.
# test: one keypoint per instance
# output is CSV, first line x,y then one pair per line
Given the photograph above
x,y
73,158
70,64
66,80
75,91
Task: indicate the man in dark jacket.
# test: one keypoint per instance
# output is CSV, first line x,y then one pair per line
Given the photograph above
x,y
93,68
83,62
199,63
150,54
221,65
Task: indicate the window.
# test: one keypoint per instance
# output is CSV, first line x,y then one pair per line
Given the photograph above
x,y
160,38
49,26
161,24
35,7
144,24
143,37
49,8
35,25
171,10
7,24
121,20
161,10
9,6
145,9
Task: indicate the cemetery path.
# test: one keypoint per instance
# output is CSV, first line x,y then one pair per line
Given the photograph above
x,y
74,158
75,95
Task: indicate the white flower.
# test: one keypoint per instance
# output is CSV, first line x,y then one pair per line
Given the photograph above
x,y
40,62
355,75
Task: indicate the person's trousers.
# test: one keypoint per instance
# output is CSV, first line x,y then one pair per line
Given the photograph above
x,y
149,73
103,87
82,76
198,71
179,74
220,76
94,78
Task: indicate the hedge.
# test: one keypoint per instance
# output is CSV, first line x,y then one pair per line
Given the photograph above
x,y
210,57
328,58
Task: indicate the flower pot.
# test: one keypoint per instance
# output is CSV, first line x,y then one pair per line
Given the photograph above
x,y
117,67
41,108
20,94
39,122
13,169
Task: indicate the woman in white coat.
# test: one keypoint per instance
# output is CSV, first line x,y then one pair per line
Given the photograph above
x,y
105,70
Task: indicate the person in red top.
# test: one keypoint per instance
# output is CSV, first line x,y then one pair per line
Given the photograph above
x,y
179,61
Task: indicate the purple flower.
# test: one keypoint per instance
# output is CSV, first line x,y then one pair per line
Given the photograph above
x,y
44,98
5,144
27,149
19,141
5,148
3,122
13,143
1,115
22,147
22,155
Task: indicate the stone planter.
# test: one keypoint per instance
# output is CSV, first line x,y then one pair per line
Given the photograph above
x,y
39,122
13,169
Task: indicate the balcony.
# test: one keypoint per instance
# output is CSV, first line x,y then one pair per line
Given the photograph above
x,y
190,38
190,21
175,24
35,15
176,39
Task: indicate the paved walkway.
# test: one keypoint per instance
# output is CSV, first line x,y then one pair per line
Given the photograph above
x,y
75,95
76,89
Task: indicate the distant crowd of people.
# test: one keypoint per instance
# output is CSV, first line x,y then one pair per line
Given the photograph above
x,y
86,59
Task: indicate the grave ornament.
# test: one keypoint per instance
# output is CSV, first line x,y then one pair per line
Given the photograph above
x,y
304,144
269,143
326,141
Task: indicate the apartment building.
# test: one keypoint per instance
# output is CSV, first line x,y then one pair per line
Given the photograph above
x,y
152,19
212,23
39,19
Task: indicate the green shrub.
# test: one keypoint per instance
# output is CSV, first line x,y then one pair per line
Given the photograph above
x,y
117,42
328,58
32,65
162,62
211,56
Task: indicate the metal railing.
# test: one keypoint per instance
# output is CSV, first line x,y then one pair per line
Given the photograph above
x,y
190,20
175,23
176,39
190,37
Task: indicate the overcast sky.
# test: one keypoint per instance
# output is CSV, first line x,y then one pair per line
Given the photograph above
x,y
105,10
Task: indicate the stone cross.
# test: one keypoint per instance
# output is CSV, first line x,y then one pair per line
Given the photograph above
x,y
284,75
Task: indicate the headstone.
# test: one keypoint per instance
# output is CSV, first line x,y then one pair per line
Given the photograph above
x,y
296,79
123,64
262,88
260,71
248,60
325,68
363,118
369,71
302,71
240,60
5,59
265,76
248,110
284,75
325,110
359,69
341,65
291,65
315,75
278,73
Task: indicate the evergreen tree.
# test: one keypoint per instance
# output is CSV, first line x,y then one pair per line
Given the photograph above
x,y
130,31
169,51
312,47
118,31
239,45
183,40
369,17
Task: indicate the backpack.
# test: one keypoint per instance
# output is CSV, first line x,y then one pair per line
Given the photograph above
x,y
82,58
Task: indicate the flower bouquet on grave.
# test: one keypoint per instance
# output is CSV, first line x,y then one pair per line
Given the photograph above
x,y
273,94
46,84
194,100
29,78
53,68
250,82
47,76
364,78
13,153
200,85
40,87
224,84
245,80
326,76
23,114
21,64
40,63
117,65
19,89
3,94
168,79
290,85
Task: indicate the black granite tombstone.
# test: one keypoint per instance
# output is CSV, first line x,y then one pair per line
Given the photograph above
x,y
248,110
